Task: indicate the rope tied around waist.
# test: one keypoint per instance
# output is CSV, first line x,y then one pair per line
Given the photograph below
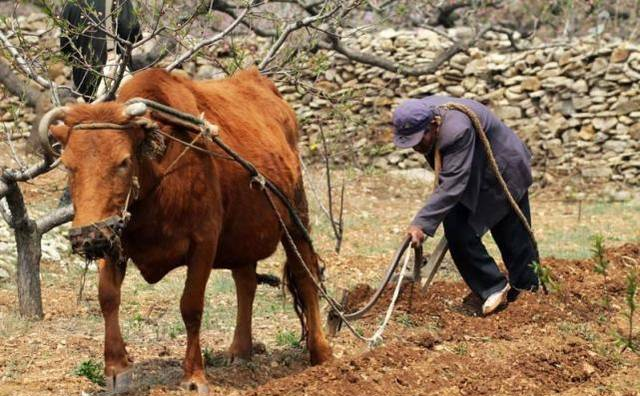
x,y
493,164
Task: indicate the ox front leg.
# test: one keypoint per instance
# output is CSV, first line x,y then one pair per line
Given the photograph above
x,y
245,281
305,291
117,365
191,306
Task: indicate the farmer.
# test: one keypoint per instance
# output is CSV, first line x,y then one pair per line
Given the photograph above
x,y
468,199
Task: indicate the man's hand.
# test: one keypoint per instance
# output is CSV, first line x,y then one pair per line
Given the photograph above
x,y
417,236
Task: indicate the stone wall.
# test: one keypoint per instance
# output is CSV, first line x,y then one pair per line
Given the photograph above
x,y
576,105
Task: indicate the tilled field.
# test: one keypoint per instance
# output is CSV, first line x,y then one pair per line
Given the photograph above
x,y
559,343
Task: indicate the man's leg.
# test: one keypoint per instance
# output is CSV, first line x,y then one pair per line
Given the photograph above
x,y
477,268
516,247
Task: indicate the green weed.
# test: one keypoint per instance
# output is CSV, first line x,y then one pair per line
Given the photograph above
x,y
288,338
213,360
626,340
405,320
545,276
91,370
461,349
601,266
175,330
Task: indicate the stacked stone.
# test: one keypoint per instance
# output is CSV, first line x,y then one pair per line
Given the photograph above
x,y
576,105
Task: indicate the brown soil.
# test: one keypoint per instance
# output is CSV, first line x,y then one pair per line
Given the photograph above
x,y
523,349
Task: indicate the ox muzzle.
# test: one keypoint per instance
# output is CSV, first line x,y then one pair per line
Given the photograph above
x,y
99,240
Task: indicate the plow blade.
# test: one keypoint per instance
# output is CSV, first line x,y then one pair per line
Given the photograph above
x,y
433,263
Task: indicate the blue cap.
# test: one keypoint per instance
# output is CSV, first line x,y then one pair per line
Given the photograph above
x,y
410,120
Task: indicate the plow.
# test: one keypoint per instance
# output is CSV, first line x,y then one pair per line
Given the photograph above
x,y
421,272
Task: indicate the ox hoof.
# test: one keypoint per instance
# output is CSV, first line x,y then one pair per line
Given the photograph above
x,y
242,356
321,355
237,361
193,385
119,383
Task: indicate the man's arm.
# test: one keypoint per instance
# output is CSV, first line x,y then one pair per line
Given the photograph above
x,y
457,155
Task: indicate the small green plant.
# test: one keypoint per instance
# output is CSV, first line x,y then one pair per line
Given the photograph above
x,y
626,340
405,320
138,320
175,330
601,266
545,276
213,360
288,338
461,349
91,370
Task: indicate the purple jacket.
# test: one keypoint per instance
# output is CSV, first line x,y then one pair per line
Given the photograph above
x,y
466,177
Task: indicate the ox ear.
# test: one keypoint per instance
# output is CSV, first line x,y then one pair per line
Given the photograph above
x,y
60,132
153,145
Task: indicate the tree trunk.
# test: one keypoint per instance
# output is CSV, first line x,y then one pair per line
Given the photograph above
x,y
29,252
28,271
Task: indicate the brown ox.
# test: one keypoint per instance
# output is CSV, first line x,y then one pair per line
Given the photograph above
x,y
199,211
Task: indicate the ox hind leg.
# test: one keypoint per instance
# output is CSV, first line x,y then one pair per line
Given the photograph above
x,y
246,283
116,368
305,295
191,307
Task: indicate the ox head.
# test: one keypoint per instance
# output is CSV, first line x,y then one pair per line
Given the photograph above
x,y
102,146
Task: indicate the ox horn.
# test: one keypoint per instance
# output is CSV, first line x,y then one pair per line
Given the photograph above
x,y
135,109
50,117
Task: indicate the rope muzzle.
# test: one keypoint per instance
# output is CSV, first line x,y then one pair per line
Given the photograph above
x,y
102,239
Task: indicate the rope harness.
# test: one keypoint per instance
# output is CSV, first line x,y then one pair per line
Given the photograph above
x,y
202,126
205,129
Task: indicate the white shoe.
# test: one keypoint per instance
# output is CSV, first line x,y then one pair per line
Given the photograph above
x,y
495,300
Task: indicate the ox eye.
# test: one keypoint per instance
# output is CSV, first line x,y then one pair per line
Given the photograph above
x,y
124,165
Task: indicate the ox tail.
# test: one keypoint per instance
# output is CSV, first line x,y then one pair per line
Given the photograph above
x,y
295,275
291,276
268,279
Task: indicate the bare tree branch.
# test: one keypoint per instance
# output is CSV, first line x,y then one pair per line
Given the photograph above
x,y
445,13
158,52
290,29
337,45
10,176
228,9
336,225
54,219
22,64
211,40
17,87
29,254
5,213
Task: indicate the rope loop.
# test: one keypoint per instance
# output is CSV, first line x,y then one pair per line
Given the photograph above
x,y
259,180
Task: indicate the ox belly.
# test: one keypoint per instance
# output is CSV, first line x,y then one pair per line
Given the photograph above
x,y
250,232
